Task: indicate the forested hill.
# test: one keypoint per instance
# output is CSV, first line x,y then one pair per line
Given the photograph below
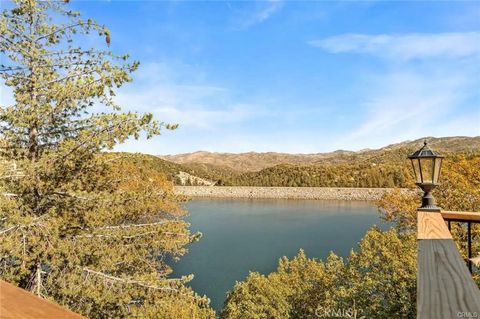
x,y
385,167
253,162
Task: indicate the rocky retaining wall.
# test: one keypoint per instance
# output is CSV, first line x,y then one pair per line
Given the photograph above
x,y
369,194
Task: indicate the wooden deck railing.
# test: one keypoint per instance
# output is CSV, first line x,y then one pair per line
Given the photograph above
x,y
445,288
463,217
16,303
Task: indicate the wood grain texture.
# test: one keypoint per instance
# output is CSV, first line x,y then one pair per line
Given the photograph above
x,y
461,216
445,288
431,225
16,303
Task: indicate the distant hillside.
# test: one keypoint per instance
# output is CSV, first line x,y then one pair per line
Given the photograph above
x,y
176,173
252,161
385,167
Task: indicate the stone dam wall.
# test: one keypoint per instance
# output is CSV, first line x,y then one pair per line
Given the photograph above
x,y
339,193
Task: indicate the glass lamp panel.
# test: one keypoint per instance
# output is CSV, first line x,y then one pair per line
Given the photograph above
x,y
416,170
438,166
427,169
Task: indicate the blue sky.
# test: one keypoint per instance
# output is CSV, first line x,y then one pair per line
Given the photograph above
x,y
298,77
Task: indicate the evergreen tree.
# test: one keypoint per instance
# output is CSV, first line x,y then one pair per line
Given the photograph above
x,y
77,226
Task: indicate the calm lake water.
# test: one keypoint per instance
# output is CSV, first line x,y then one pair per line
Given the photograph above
x,y
244,235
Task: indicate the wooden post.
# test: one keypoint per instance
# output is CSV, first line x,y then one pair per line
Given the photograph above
x,y
39,280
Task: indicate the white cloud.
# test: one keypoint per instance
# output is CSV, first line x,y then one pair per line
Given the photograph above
x,y
202,118
408,104
267,12
262,12
404,46
183,97
429,86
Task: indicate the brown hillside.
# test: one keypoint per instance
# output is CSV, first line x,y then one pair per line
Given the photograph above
x,y
253,161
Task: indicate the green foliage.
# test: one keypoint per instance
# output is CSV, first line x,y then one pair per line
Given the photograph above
x,y
374,281
258,297
460,184
326,175
385,268
388,173
171,170
153,163
89,230
351,174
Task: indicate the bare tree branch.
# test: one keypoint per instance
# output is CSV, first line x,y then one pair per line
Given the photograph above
x,y
127,281
136,225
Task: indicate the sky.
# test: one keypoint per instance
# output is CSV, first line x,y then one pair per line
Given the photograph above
x,y
297,77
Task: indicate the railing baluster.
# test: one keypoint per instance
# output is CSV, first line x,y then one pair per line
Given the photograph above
x,y
469,239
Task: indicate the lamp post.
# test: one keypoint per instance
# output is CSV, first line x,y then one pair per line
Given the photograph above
x,y
426,165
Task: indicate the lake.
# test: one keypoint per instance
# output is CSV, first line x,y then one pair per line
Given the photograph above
x,y
251,235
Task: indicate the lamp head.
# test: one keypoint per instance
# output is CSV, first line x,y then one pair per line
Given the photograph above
x,y
427,165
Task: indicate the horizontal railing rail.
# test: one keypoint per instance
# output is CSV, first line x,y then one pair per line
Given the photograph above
x,y
460,216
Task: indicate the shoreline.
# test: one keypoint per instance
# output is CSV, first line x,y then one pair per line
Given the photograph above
x,y
255,192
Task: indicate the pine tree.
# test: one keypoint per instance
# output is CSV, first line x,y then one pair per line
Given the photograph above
x,y
82,228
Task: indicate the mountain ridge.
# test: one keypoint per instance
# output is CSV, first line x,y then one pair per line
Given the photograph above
x,y
256,161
